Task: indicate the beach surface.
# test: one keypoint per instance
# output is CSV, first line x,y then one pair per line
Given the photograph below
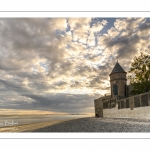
x,y
88,124
28,127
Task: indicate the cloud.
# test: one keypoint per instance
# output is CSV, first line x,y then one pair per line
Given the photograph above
x,y
144,28
76,23
58,63
65,103
125,45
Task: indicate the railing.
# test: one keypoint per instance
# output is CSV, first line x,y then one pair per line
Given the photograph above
x,y
110,103
132,102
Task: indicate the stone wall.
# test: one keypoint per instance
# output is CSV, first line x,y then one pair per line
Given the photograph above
x,y
138,112
98,103
137,106
140,100
102,103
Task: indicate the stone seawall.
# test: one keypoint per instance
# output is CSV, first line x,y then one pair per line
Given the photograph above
x,y
137,106
137,113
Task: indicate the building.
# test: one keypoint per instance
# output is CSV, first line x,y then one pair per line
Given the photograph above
x,y
121,99
119,90
118,82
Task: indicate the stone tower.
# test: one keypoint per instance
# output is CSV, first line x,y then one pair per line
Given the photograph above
x,y
118,82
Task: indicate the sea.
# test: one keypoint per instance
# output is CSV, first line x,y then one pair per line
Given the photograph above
x,y
28,119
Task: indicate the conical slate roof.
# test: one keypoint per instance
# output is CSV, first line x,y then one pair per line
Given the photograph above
x,y
117,68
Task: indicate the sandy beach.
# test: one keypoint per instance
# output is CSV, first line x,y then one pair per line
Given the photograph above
x,y
88,124
28,127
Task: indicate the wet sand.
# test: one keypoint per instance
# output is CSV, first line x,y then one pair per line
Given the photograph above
x,y
89,124
28,127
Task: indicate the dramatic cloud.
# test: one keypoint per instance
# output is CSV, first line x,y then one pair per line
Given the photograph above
x,y
63,64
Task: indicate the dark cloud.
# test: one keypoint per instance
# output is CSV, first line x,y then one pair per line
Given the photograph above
x,y
74,103
14,86
145,25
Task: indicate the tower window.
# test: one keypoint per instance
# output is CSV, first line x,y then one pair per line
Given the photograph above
x,y
115,89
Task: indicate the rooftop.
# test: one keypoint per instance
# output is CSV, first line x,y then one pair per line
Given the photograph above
x,y
117,68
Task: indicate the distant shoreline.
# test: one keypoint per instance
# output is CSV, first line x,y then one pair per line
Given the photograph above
x,y
30,127
27,127
37,115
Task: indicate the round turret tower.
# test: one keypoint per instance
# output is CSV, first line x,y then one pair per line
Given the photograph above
x,y
118,82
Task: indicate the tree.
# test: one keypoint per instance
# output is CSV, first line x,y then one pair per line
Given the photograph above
x,y
140,79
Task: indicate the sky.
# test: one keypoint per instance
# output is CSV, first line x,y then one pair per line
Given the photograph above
x,y
60,65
